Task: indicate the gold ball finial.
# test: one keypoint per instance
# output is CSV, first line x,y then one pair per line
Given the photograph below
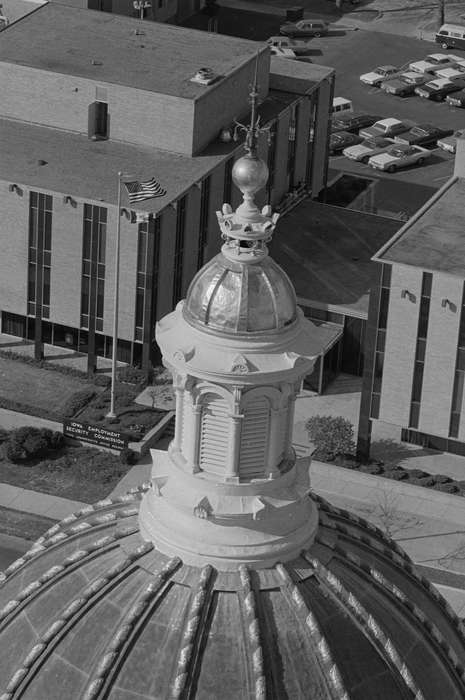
x,y
250,174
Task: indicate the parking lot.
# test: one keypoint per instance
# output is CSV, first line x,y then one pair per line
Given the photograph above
x,y
351,53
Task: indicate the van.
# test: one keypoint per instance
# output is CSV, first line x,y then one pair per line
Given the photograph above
x,y
451,36
340,105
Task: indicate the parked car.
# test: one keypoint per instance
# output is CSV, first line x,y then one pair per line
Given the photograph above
x,y
423,135
361,152
282,53
298,46
385,127
341,139
379,74
399,156
449,143
432,63
451,36
457,73
352,122
304,27
456,99
459,60
439,88
405,83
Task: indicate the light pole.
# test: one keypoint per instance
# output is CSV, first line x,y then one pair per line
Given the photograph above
x,y
141,6
111,413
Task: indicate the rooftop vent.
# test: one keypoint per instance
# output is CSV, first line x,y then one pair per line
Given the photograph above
x,y
205,76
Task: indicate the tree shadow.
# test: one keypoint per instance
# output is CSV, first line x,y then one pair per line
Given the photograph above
x,y
390,451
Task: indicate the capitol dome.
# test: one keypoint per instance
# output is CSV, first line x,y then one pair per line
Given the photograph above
x,y
93,611
236,297
226,577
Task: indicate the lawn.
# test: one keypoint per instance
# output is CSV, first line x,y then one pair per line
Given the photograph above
x,y
78,473
25,525
45,392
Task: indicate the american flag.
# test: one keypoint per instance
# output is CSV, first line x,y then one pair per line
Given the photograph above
x,y
138,191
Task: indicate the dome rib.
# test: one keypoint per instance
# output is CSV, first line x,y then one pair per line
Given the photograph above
x,y
69,615
189,652
331,675
106,668
253,634
373,630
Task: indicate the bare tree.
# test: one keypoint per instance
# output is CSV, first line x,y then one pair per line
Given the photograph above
x,y
440,9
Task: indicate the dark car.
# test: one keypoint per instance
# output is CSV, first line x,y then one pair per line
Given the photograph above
x,y
352,122
456,99
423,135
439,88
342,139
304,27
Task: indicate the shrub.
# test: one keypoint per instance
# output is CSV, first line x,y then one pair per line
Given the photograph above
x,y
77,401
29,442
133,375
128,456
4,434
102,380
397,473
441,478
371,468
331,436
446,487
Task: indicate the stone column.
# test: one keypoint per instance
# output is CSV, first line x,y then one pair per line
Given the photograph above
x,y
276,433
179,384
195,437
232,466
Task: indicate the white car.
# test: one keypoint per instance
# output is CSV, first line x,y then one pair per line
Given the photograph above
x,y
457,73
433,62
399,156
298,46
459,60
379,75
282,53
362,152
385,127
449,143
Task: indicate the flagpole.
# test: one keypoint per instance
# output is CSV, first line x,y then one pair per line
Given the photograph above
x,y
114,353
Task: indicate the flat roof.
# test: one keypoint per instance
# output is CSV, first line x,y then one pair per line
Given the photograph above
x,y
88,169
297,76
434,238
327,251
104,46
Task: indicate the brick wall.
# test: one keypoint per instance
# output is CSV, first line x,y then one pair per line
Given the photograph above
x,y
62,102
127,276
66,263
14,249
441,351
401,336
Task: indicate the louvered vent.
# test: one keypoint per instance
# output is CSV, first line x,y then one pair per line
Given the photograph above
x,y
254,439
214,437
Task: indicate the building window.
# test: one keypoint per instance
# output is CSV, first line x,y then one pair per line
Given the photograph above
x,y
93,266
457,393
204,216
141,274
419,366
179,249
272,135
228,181
292,141
311,136
39,254
380,341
